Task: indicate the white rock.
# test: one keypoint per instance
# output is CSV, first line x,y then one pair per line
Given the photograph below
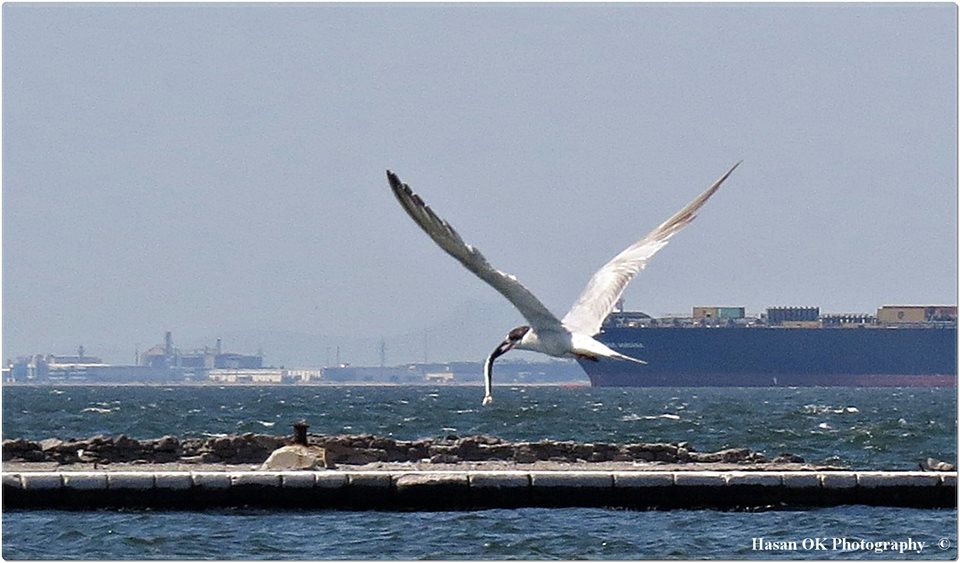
x,y
289,458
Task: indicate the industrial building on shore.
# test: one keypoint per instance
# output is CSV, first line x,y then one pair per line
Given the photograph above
x,y
162,363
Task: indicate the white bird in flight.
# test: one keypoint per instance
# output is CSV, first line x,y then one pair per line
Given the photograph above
x,y
572,336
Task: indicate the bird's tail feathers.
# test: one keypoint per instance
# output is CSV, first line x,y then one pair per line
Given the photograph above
x,y
589,347
620,356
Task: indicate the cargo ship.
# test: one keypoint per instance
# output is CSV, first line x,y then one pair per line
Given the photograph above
x,y
900,346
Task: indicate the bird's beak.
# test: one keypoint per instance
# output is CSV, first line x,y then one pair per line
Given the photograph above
x,y
500,350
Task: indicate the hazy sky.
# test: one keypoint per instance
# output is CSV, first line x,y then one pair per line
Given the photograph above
x,y
218,170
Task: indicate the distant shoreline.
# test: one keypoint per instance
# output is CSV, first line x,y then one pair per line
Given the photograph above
x,y
219,384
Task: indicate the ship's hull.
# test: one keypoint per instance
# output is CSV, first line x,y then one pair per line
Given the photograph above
x,y
761,357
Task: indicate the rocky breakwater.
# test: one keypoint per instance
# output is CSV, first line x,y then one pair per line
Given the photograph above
x,y
350,449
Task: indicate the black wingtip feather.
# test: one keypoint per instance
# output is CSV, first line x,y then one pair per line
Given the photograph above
x,y
394,180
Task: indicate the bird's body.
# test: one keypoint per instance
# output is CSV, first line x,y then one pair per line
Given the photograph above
x,y
571,337
556,344
565,344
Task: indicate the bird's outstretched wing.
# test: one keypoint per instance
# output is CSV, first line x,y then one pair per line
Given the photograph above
x,y
539,317
607,285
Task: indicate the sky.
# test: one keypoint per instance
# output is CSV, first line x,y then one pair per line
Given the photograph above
x,y
219,170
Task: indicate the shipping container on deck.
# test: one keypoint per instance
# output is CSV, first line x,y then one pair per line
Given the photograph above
x,y
719,313
894,314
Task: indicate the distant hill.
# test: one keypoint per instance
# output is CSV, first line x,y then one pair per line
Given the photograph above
x,y
467,333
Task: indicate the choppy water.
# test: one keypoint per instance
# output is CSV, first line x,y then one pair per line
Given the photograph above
x,y
488,534
859,428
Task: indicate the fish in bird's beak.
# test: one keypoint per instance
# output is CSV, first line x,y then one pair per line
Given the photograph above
x,y
513,339
500,350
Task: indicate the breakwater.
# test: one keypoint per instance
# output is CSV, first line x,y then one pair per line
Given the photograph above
x,y
347,449
453,490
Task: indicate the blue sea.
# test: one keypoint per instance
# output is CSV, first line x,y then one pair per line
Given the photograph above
x,y
855,428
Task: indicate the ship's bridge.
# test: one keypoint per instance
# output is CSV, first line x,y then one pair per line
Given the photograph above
x,y
621,319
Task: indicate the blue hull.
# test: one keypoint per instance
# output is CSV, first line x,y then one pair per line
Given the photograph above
x,y
761,357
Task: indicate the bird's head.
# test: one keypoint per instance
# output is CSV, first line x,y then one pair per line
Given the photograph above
x,y
514,337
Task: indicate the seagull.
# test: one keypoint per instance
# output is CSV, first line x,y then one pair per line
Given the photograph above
x,y
572,336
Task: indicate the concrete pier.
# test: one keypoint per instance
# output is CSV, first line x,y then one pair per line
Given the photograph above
x,y
464,490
